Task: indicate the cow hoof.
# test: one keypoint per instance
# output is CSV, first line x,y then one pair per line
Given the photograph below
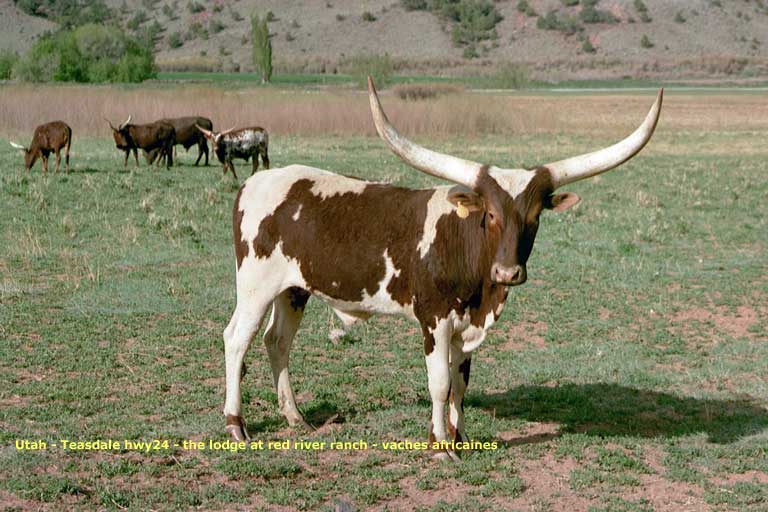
x,y
446,456
236,428
300,424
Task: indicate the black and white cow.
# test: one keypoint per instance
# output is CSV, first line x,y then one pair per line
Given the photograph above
x,y
442,256
242,143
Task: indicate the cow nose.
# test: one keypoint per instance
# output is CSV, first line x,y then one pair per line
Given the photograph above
x,y
510,276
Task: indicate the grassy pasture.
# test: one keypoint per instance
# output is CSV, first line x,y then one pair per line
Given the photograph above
x,y
627,374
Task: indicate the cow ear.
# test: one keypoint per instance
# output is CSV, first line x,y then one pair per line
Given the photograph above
x,y
468,199
561,202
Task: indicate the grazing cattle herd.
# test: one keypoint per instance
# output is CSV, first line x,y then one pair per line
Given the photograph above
x,y
444,257
157,140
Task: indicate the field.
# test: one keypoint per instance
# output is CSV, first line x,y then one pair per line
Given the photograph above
x,y
628,374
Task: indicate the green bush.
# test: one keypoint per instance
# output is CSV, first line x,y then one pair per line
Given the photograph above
x,y
379,67
175,40
645,41
642,11
8,59
474,20
524,7
90,53
570,3
591,14
368,16
195,7
414,5
68,13
511,75
137,20
566,24
587,46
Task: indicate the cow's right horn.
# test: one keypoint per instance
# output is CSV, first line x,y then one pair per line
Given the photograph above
x,y
125,123
17,146
584,166
440,165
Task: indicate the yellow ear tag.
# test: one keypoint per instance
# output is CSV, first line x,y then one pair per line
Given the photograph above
x,y
462,211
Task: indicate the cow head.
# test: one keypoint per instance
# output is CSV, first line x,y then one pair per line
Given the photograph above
x,y
509,202
29,156
214,137
121,135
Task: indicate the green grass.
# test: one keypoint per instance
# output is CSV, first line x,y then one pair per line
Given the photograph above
x,y
117,283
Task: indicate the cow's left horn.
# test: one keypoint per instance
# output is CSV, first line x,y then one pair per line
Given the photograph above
x,y
207,133
443,166
590,164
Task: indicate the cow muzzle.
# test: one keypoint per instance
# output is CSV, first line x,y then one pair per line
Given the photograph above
x,y
508,276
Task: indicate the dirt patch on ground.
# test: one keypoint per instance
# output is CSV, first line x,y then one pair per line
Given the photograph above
x,y
711,324
524,335
667,496
547,480
748,476
10,501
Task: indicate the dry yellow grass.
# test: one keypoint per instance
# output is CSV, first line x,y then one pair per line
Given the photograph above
x,y
346,112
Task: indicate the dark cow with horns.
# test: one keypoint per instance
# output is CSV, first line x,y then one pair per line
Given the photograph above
x,y
151,137
442,256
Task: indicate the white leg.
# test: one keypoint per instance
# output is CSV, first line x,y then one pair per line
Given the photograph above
x,y
287,311
460,364
242,327
439,377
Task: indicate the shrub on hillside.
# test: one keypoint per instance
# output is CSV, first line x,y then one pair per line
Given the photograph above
x,y
566,24
473,20
68,13
591,14
524,7
90,53
414,5
645,41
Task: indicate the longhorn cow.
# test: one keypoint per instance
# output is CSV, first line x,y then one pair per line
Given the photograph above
x,y
158,136
48,138
442,256
242,143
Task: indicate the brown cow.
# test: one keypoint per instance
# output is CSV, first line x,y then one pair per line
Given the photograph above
x,y
242,143
48,138
188,135
442,256
148,137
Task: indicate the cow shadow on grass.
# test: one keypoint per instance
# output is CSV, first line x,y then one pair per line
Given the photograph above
x,y
607,410
317,414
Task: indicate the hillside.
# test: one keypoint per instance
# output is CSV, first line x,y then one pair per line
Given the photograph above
x,y
692,39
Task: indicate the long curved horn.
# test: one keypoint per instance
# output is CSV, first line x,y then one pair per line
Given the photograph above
x,y
227,131
126,122
590,164
110,125
439,165
17,146
208,133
